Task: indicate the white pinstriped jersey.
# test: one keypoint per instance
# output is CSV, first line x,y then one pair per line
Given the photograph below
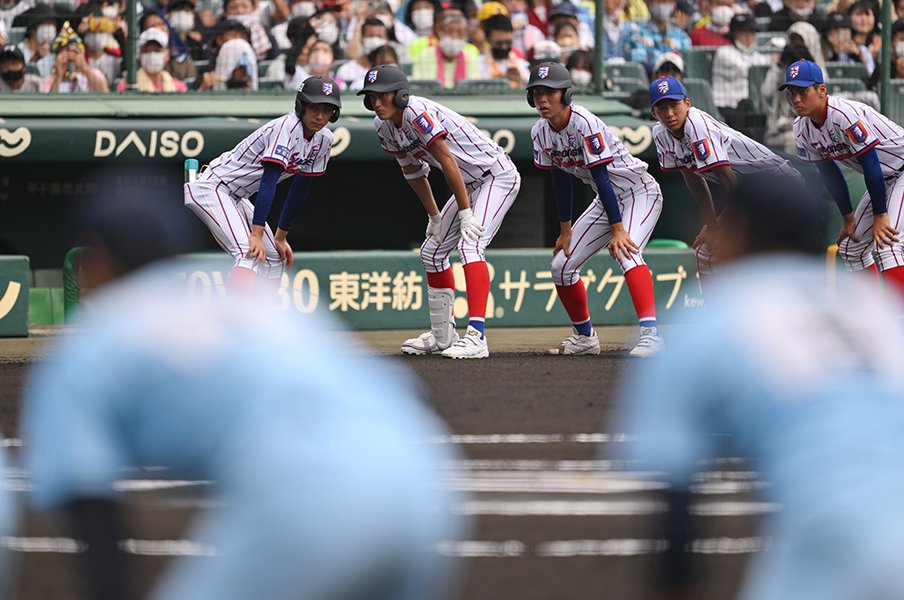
x,y
708,143
585,142
850,129
423,122
280,141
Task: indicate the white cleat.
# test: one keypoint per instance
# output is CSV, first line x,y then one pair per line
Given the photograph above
x,y
577,345
649,344
426,344
472,345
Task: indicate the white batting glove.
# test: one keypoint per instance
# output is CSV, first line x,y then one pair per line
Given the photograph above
x,y
471,230
435,226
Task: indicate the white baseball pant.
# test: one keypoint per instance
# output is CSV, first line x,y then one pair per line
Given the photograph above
x,y
491,198
859,255
229,220
640,209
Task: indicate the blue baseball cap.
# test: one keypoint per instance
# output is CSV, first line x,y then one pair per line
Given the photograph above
x,y
666,87
803,73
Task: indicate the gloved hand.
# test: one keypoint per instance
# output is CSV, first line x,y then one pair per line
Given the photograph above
x,y
435,226
471,230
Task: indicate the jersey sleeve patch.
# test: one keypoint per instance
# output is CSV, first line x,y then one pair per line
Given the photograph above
x,y
857,132
595,143
701,149
282,152
424,123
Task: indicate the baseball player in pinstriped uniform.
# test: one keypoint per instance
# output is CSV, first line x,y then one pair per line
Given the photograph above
x,y
832,130
484,182
570,140
297,143
705,151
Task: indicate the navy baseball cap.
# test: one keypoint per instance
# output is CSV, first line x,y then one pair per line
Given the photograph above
x,y
803,73
666,87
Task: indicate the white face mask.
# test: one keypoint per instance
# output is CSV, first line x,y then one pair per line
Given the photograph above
x,y
153,62
95,41
44,34
745,48
329,33
804,12
581,78
661,12
422,19
722,15
371,43
899,49
394,5
519,20
111,12
246,20
386,20
451,46
182,21
303,9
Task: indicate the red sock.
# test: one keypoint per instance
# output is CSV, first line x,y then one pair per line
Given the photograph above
x,y
640,285
895,276
241,281
443,279
574,299
477,278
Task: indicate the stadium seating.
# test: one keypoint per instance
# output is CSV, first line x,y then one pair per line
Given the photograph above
x,y
701,94
628,84
837,86
628,69
424,85
483,86
836,70
755,77
895,109
15,35
699,62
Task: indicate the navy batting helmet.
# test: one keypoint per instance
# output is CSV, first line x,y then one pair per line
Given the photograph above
x,y
552,75
318,90
386,78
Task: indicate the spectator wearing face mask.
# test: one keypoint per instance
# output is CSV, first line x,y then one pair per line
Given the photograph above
x,y
40,31
713,29
244,11
453,58
329,29
580,65
236,67
373,35
545,51
184,22
779,114
567,13
839,46
897,55
13,77
101,50
568,39
71,73
420,16
397,33
668,64
153,56
792,12
500,60
525,35
319,62
731,64
226,30
649,39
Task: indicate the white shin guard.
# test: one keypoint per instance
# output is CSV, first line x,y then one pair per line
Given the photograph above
x,y
442,320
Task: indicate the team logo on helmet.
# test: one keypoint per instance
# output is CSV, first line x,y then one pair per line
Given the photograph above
x,y
663,86
372,76
543,72
794,71
327,88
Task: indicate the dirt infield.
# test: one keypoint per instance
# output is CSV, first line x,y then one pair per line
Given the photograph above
x,y
524,422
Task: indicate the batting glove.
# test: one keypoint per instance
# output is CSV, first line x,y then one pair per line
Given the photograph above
x,y
471,230
435,227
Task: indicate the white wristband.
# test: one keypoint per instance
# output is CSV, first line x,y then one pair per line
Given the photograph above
x,y
422,172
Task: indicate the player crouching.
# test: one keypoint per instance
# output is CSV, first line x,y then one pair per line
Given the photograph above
x,y
570,140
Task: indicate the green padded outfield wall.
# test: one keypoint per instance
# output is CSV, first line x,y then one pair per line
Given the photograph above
x,y
14,288
388,290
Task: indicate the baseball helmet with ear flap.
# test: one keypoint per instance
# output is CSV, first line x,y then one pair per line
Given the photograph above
x,y
318,90
386,78
552,75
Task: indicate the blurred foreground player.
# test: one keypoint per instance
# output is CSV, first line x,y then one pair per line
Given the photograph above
x,y
803,381
320,485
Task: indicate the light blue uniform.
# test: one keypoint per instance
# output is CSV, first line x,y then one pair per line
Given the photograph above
x,y
810,387
317,450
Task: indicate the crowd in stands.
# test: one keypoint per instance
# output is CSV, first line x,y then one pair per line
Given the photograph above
x,y
78,45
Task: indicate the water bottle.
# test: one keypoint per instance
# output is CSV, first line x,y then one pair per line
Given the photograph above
x,y
191,170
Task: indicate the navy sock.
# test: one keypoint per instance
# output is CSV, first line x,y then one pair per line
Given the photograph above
x,y
647,323
585,328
